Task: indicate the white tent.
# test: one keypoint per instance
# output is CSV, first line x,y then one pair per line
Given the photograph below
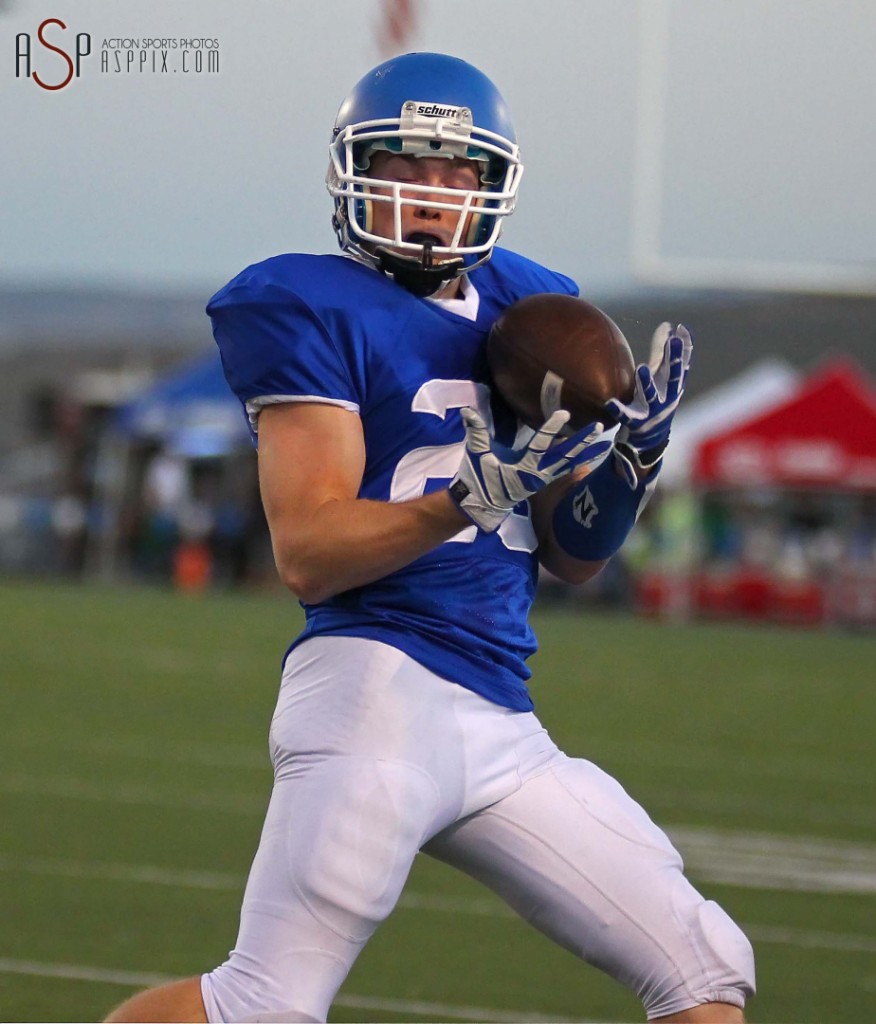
x,y
762,385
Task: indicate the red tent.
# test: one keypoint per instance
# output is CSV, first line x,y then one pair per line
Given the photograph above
x,y
823,435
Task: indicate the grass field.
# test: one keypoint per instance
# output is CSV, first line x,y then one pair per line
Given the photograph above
x,y
135,773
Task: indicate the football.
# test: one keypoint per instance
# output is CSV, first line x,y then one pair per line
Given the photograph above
x,y
549,352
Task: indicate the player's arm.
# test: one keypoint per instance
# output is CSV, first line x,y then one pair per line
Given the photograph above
x,y
551,555
581,522
325,539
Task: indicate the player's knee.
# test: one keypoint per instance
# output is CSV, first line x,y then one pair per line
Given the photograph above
x,y
713,963
730,946
722,966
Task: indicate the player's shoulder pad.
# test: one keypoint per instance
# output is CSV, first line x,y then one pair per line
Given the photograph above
x,y
517,276
290,278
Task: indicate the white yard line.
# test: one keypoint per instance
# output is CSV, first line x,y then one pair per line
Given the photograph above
x,y
742,859
441,1011
105,871
805,938
136,748
487,906
132,795
748,860
755,860
437,903
763,860
79,972
145,979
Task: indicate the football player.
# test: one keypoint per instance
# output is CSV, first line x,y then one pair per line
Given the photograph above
x,y
409,515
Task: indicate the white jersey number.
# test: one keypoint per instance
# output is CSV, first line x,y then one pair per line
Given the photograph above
x,y
440,462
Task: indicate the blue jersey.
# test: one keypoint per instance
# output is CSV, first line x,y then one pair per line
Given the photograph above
x,y
327,328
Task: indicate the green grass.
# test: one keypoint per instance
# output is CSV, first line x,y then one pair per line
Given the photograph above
x,y
134,729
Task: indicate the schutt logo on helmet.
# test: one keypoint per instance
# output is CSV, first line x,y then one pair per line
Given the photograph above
x,y
434,110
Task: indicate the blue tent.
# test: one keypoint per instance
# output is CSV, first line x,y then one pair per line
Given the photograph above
x,y
192,412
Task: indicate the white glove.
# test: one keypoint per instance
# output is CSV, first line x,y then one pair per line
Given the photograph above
x,y
647,420
492,479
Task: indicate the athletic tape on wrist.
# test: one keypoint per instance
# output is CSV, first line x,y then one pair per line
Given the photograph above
x,y
594,519
484,517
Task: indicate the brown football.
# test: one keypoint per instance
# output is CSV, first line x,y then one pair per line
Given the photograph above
x,y
549,352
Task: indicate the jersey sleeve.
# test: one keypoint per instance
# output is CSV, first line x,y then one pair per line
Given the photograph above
x,y
275,348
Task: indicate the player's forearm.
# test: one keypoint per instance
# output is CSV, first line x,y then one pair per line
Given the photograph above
x,y
350,543
583,523
565,567
550,554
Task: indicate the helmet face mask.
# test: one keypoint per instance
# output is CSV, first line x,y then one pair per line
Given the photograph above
x,y
423,105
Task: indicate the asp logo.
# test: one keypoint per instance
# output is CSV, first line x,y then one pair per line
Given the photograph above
x,y
59,70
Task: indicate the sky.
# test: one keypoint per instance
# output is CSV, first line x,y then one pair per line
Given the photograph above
x,y
665,141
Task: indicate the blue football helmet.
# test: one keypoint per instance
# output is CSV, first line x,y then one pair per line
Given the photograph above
x,y
429,105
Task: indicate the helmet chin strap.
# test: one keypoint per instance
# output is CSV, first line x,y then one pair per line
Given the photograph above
x,y
421,277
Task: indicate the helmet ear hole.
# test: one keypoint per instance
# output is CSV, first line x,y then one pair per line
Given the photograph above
x,y
361,156
495,171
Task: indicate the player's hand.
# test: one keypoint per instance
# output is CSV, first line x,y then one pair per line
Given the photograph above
x,y
646,421
492,479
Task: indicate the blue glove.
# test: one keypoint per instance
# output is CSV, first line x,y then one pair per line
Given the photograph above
x,y
492,479
646,421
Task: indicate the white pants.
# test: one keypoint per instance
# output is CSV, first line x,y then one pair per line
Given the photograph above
x,y
376,758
